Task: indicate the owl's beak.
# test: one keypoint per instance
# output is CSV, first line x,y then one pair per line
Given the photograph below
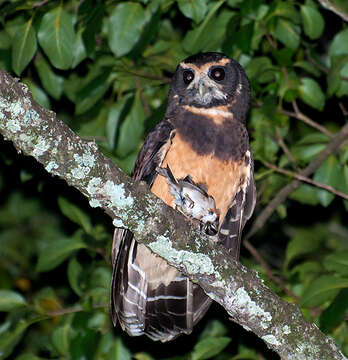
x,y
202,88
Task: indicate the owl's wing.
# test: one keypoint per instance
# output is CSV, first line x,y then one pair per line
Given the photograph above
x,y
241,209
147,295
153,152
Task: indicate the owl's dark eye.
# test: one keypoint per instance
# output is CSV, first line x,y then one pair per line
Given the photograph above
x,y
217,73
188,76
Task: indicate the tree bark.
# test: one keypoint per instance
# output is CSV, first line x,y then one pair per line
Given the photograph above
x,y
37,132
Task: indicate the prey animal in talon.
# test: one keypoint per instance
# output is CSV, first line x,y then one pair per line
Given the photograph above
x,y
192,201
203,135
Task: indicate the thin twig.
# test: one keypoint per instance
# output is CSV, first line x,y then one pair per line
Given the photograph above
x,y
297,114
73,310
309,121
281,196
321,67
268,36
40,3
253,251
283,146
148,76
306,179
343,109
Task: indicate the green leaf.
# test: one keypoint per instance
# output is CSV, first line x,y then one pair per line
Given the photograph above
x,y
125,27
10,338
83,340
322,289
131,130
329,173
337,74
75,270
337,262
94,15
339,44
306,194
142,356
286,10
80,53
209,347
93,91
195,38
55,253
5,40
307,66
264,146
27,356
60,339
52,82
218,26
314,138
260,69
114,116
301,244
313,22
120,351
307,271
244,36
10,300
214,329
193,9
24,47
306,152
288,33
75,214
334,314
57,37
311,93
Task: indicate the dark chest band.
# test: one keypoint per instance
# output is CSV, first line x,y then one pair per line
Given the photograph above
x,y
228,141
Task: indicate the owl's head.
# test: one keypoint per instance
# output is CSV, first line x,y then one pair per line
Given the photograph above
x,y
208,80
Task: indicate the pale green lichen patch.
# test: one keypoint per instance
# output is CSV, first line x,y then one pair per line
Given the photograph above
x,y
118,223
94,185
243,302
286,330
93,189
51,166
94,203
117,195
192,262
41,147
26,139
85,163
13,125
271,339
85,160
78,173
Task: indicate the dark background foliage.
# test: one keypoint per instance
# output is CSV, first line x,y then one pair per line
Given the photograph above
x,y
104,68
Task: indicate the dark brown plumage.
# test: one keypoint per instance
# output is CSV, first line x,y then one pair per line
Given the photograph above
x,y
202,138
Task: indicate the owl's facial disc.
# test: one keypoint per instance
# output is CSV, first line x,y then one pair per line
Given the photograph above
x,y
205,85
203,90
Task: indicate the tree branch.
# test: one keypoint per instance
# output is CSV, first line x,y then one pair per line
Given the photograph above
x,y
36,132
334,8
305,179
